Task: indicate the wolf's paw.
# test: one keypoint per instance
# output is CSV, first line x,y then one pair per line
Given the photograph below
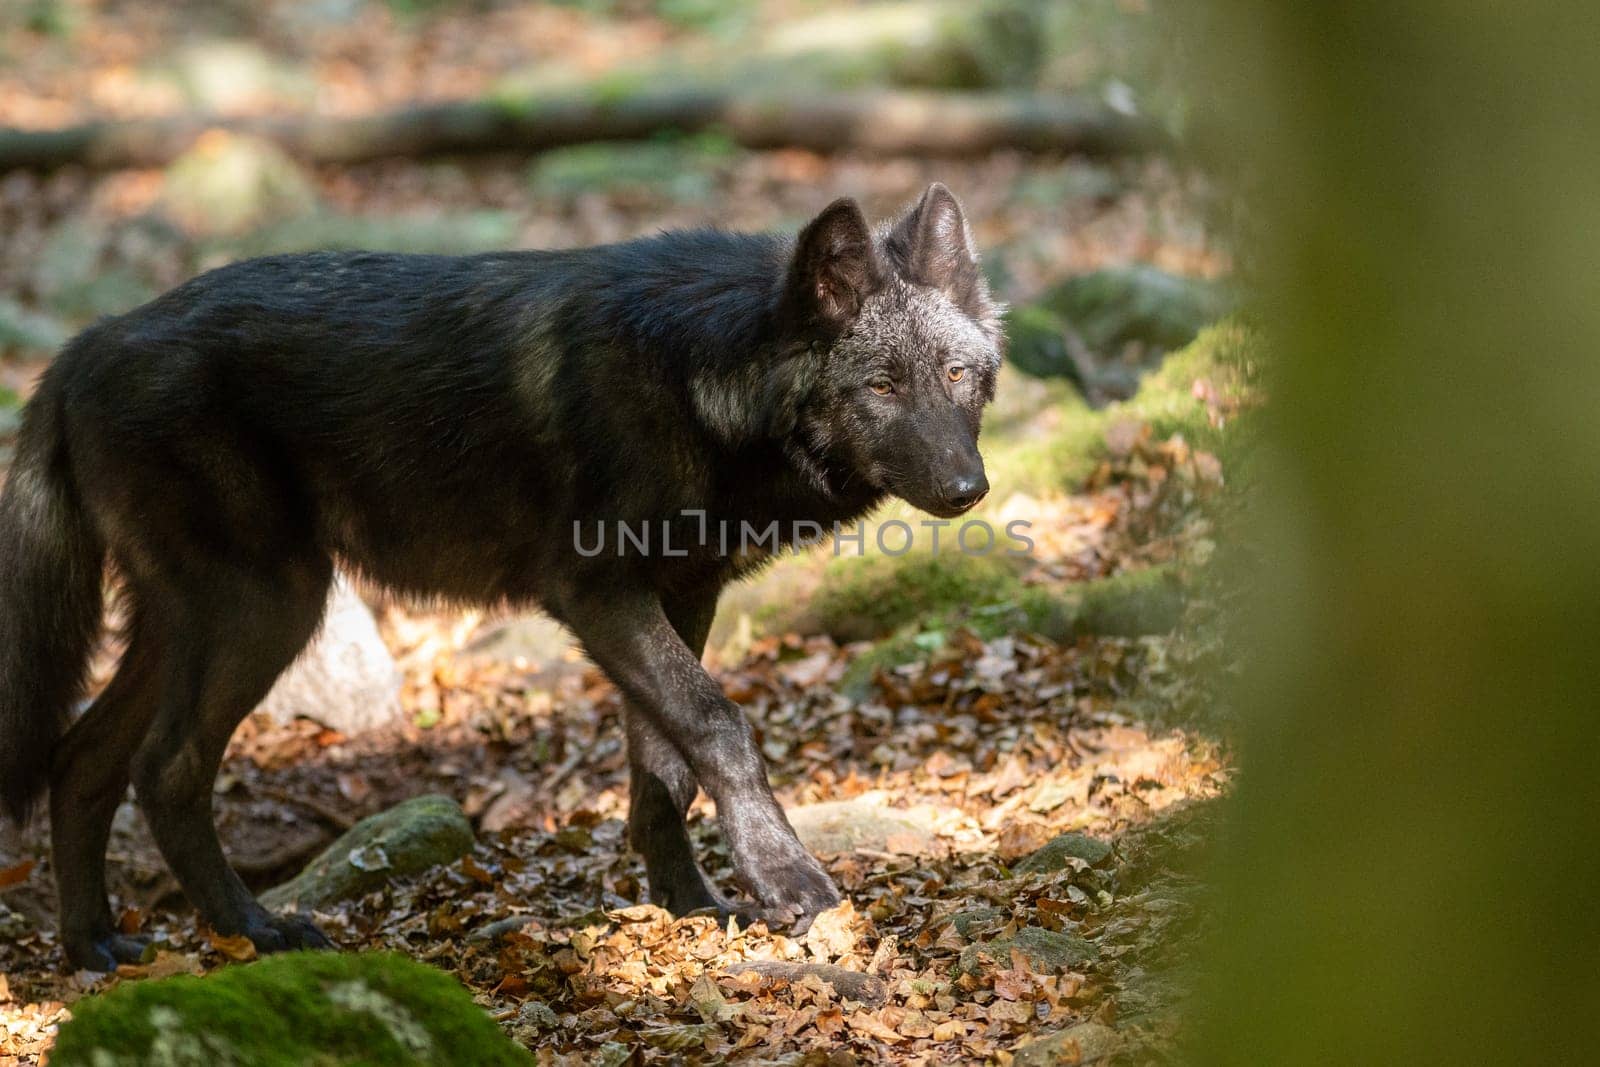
x,y
794,895
105,952
280,933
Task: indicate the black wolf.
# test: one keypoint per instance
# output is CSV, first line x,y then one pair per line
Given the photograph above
x,y
442,425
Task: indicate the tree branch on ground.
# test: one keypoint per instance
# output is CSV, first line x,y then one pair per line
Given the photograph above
x,y
884,122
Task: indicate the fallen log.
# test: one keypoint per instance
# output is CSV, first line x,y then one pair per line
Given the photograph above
x,y
880,122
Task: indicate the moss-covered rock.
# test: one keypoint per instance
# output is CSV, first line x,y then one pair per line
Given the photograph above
x,y
1216,374
1047,951
970,919
1040,438
229,182
407,839
300,1008
680,169
29,332
1054,854
1081,1044
1037,345
1134,604
1131,604
1139,304
1102,330
969,46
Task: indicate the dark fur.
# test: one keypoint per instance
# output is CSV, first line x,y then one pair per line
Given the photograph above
x,y
439,424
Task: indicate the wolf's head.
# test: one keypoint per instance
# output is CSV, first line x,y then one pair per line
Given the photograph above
x,y
909,342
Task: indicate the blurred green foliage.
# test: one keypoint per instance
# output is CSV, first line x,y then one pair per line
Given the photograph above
x,y
446,234
1414,842
683,168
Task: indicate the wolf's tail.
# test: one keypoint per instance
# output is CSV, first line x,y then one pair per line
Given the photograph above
x,y
51,568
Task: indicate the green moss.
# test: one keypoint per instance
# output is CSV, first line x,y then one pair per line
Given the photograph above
x,y
1061,460
1048,951
514,101
1037,344
869,596
406,839
1138,602
300,1008
1225,357
681,168
618,86
1058,448
1041,438
1117,306
1133,604
1056,853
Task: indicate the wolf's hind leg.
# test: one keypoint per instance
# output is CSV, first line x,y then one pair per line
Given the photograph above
x,y
89,778
661,785
236,632
661,788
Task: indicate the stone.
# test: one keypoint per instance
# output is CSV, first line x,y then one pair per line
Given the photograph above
x,y
1046,951
303,1007
407,839
1054,854
1137,304
969,919
866,989
1084,1043
863,822
346,680
229,182
536,641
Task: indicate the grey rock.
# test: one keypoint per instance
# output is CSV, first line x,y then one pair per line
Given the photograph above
x,y
966,921
407,839
347,680
228,183
1053,856
1045,950
864,822
1140,304
1084,1043
538,640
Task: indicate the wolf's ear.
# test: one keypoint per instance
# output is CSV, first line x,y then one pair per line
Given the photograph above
x,y
835,268
932,246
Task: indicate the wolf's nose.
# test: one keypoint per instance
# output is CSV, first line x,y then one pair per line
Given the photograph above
x,y
966,491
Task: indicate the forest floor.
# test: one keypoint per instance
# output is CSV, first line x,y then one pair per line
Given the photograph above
x,y
922,797
922,790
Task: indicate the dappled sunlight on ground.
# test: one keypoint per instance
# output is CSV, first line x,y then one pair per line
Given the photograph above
x,y
920,796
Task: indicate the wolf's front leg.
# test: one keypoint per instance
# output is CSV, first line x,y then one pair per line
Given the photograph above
x,y
629,636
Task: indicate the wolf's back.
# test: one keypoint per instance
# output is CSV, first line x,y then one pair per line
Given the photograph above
x,y
51,564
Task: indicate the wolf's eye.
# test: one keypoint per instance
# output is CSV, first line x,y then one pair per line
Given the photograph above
x,y
957,373
882,387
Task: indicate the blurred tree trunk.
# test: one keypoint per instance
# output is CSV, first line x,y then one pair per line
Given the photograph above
x,y
884,121
1411,868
